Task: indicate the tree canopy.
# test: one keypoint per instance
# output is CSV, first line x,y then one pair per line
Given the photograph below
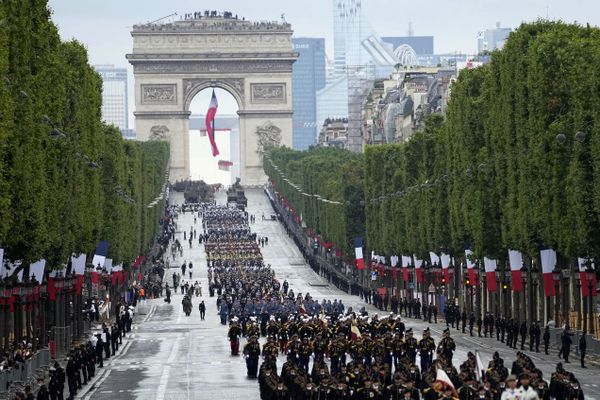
x,y
67,180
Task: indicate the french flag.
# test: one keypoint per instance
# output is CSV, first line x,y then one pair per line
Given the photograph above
x,y
210,123
418,271
585,282
445,259
490,274
515,259
78,266
471,267
99,260
394,262
358,253
406,261
548,258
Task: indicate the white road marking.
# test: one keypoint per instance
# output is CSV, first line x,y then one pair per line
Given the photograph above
x,y
164,378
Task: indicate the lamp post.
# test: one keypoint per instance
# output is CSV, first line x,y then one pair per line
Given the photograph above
x,y
533,282
556,278
4,296
565,298
436,270
578,283
505,295
591,274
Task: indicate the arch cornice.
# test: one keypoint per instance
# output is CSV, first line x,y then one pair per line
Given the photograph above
x,y
235,86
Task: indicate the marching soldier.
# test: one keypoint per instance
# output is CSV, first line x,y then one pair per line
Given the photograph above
x,y
252,352
410,346
426,349
234,336
447,346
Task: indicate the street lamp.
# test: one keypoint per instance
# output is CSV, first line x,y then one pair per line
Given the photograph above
x,y
505,295
590,274
579,284
556,277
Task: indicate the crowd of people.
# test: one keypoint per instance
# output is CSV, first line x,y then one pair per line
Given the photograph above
x,y
334,352
15,355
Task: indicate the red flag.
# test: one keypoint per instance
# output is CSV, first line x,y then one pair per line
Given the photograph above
x,y
548,258
516,263
471,267
419,270
51,289
490,274
405,263
585,282
210,123
358,254
78,283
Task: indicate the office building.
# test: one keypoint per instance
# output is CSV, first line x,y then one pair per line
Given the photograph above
x,y
355,42
308,76
492,39
114,96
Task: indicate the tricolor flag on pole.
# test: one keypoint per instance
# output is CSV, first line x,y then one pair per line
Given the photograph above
x,y
515,259
585,282
358,253
548,258
355,332
418,271
444,381
406,261
100,254
490,274
445,259
78,266
471,267
210,123
394,262
479,365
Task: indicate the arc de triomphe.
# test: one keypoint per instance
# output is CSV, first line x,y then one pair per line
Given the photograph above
x,y
174,61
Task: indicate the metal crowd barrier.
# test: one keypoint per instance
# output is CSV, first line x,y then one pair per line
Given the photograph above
x,y
27,373
62,336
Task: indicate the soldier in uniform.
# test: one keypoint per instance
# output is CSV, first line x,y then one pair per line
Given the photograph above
x,y
282,337
546,339
304,354
252,352
471,323
426,349
397,350
447,346
234,336
410,346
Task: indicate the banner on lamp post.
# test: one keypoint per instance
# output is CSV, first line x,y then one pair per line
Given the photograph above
x,y
516,263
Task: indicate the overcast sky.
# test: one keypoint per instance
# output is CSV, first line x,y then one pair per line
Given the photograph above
x,y
104,25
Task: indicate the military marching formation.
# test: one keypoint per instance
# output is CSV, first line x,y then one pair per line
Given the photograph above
x,y
334,352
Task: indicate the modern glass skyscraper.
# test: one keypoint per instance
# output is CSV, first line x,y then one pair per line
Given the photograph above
x,y
308,76
114,96
359,56
355,41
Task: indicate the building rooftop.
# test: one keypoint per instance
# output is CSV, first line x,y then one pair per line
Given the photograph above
x,y
211,21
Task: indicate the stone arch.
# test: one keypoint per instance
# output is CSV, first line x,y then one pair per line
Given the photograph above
x,y
173,62
235,86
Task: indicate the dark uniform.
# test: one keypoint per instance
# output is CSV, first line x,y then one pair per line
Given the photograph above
x,y
252,352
